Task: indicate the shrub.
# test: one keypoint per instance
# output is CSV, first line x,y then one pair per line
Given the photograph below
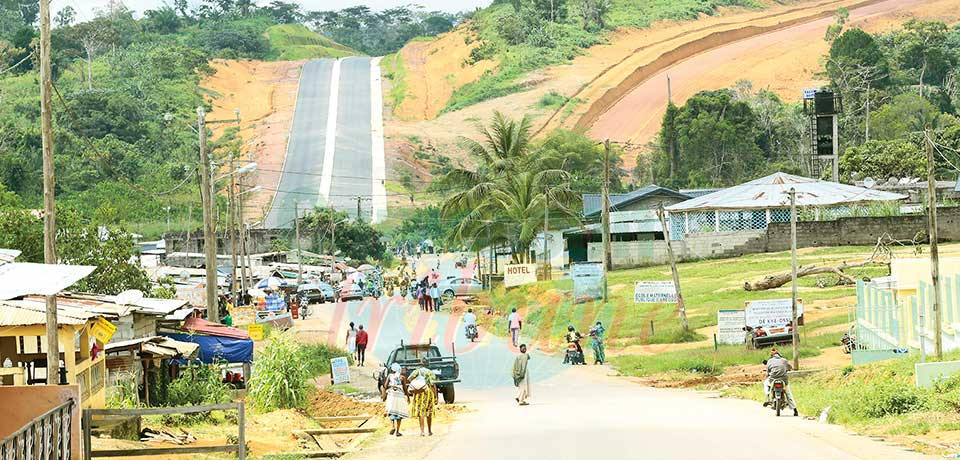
x,y
281,374
198,384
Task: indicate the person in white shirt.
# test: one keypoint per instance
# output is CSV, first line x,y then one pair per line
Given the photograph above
x,y
515,323
470,318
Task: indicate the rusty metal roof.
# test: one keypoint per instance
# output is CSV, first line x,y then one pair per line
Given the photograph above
x,y
28,313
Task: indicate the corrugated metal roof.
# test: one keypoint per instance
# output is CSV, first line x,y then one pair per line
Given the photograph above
x,y
89,305
618,228
156,345
772,192
27,313
698,192
593,202
20,279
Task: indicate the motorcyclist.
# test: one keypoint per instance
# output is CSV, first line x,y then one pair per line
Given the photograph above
x,y
470,319
574,337
777,369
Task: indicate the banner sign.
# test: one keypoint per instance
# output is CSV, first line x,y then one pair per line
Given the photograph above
x,y
339,370
772,313
255,331
730,325
588,279
519,274
654,292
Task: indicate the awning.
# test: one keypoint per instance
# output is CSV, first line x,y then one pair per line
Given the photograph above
x,y
219,349
202,326
160,347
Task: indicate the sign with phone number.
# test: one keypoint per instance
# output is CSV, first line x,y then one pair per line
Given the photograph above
x,y
772,312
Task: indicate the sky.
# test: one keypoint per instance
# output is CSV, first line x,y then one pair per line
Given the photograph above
x,y
85,8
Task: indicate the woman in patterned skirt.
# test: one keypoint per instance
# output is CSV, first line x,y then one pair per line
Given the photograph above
x,y
425,398
396,406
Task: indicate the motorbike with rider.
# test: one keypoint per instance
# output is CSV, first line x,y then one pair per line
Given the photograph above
x,y
777,383
470,325
574,354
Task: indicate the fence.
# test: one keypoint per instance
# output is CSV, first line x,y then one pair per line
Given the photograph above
x,y
47,437
88,415
888,319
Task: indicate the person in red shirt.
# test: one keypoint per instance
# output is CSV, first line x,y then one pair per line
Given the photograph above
x,y
362,339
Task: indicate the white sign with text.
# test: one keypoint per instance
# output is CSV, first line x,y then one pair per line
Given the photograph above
x,y
772,312
340,370
730,327
519,274
654,292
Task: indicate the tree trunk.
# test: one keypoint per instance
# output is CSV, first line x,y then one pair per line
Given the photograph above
x,y
779,279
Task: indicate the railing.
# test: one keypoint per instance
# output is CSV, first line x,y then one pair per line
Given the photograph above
x,y
47,437
88,414
90,377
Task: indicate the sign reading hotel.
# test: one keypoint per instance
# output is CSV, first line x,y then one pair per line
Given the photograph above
x,y
654,292
772,312
519,274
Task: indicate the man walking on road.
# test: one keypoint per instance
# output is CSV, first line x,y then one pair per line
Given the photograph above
x,y
362,339
515,323
521,376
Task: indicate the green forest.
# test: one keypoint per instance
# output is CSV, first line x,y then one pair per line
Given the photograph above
x,y
893,86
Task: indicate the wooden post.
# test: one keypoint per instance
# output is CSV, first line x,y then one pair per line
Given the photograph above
x,y
296,225
546,228
793,262
934,250
605,213
87,432
209,236
681,307
241,435
49,201
231,225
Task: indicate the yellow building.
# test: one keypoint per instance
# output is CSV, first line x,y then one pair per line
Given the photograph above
x,y
23,348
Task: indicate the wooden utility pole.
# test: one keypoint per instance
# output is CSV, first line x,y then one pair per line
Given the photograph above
x,y
358,209
547,270
605,216
793,263
934,250
243,238
333,240
49,202
296,226
681,307
209,236
186,245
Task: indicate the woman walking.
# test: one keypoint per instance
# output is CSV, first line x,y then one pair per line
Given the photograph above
x,y
421,383
352,340
397,406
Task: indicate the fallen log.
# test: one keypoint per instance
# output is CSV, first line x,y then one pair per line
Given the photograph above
x,y
779,279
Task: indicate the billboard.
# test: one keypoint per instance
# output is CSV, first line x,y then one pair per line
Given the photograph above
x,y
588,279
730,327
655,292
519,274
772,312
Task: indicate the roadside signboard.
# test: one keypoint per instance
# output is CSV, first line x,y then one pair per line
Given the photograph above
x,y
772,312
519,274
730,327
339,370
102,330
654,292
588,278
809,93
255,331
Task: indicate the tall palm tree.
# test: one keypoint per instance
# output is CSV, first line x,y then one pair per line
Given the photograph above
x,y
503,200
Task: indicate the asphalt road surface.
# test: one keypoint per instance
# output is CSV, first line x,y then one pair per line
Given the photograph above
x,y
304,160
332,157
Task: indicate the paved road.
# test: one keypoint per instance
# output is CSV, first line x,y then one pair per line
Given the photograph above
x,y
637,116
305,147
335,151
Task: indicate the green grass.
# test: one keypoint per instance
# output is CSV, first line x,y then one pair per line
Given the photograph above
x,y
395,70
565,41
552,100
292,42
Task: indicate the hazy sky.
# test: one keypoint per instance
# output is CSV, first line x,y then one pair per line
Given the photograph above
x,y
85,8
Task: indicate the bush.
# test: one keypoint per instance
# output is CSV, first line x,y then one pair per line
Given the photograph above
x,y
198,384
281,374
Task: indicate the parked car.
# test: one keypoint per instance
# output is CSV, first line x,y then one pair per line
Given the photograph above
x,y
351,291
317,292
459,287
408,357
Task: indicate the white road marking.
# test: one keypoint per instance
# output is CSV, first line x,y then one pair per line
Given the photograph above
x,y
326,177
379,168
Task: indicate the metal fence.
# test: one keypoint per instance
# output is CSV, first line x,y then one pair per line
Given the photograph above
x,y
888,319
47,437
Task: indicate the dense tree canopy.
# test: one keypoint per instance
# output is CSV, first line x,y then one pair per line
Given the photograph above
x,y
380,32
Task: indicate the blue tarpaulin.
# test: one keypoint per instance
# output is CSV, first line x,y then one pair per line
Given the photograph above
x,y
222,349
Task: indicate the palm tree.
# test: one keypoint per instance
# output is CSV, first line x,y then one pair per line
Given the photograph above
x,y
502,201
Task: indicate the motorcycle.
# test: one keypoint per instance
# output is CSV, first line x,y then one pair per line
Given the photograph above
x,y
462,262
574,355
304,305
471,332
778,395
849,343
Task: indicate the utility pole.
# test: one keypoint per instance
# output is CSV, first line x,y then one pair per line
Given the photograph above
x,y
238,199
296,225
333,240
669,98
358,209
547,270
605,213
186,245
934,250
231,225
793,275
209,237
681,307
49,202
168,219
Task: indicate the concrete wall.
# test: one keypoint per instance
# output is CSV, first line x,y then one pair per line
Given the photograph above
x,y
21,404
695,247
259,240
